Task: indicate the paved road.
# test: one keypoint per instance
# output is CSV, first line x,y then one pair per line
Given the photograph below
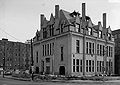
x,y
6,81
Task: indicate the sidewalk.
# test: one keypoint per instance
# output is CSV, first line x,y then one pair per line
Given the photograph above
x,y
15,78
66,81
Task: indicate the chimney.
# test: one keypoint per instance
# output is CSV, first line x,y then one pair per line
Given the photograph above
x,y
56,11
42,18
83,11
99,23
104,20
4,39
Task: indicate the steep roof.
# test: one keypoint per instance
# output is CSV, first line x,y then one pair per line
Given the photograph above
x,y
52,19
109,29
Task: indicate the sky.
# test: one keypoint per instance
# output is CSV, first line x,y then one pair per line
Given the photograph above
x,y
20,19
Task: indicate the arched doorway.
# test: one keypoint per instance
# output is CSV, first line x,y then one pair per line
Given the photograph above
x,y
62,70
37,70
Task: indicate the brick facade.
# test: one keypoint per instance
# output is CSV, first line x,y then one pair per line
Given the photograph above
x,y
17,55
116,34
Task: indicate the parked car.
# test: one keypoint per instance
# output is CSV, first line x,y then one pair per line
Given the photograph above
x,y
7,73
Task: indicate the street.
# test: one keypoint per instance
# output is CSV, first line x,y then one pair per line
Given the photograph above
x,y
6,81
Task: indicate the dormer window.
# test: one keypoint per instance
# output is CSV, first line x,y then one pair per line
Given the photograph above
x,y
77,26
44,33
89,31
100,34
109,36
51,30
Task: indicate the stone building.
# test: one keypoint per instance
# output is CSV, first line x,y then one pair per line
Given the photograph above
x,y
16,54
70,44
116,34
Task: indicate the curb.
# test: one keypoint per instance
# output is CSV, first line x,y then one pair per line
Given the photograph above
x,y
21,79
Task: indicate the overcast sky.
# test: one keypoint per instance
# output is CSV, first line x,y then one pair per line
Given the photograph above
x,y
20,18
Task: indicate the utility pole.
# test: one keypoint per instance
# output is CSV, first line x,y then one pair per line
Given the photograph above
x,y
32,66
3,65
19,56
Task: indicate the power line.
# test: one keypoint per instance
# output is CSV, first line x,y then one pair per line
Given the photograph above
x,y
9,34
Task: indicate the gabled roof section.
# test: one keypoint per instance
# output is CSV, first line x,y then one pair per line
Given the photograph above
x,y
109,30
90,23
77,19
67,16
104,31
100,27
45,23
52,19
95,27
38,33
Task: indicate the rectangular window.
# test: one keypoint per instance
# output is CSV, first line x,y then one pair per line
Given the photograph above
x,y
100,66
89,65
97,49
93,48
73,65
111,69
61,53
43,50
86,47
77,28
80,65
47,60
77,65
103,50
97,66
100,34
77,46
92,65
50,48
47,49
47,69
100,50
86,65
107,64
90,31
109,51
90,48
37,57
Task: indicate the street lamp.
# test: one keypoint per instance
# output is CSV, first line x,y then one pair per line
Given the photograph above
x,y
32,66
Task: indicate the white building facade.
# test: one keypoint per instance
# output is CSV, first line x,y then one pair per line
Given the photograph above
x,y
70,44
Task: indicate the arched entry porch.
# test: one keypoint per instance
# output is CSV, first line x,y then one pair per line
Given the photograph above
x,y
62,70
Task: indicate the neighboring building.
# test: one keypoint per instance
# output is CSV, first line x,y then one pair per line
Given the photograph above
x,y
116,34
27,42
16,54
70,44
